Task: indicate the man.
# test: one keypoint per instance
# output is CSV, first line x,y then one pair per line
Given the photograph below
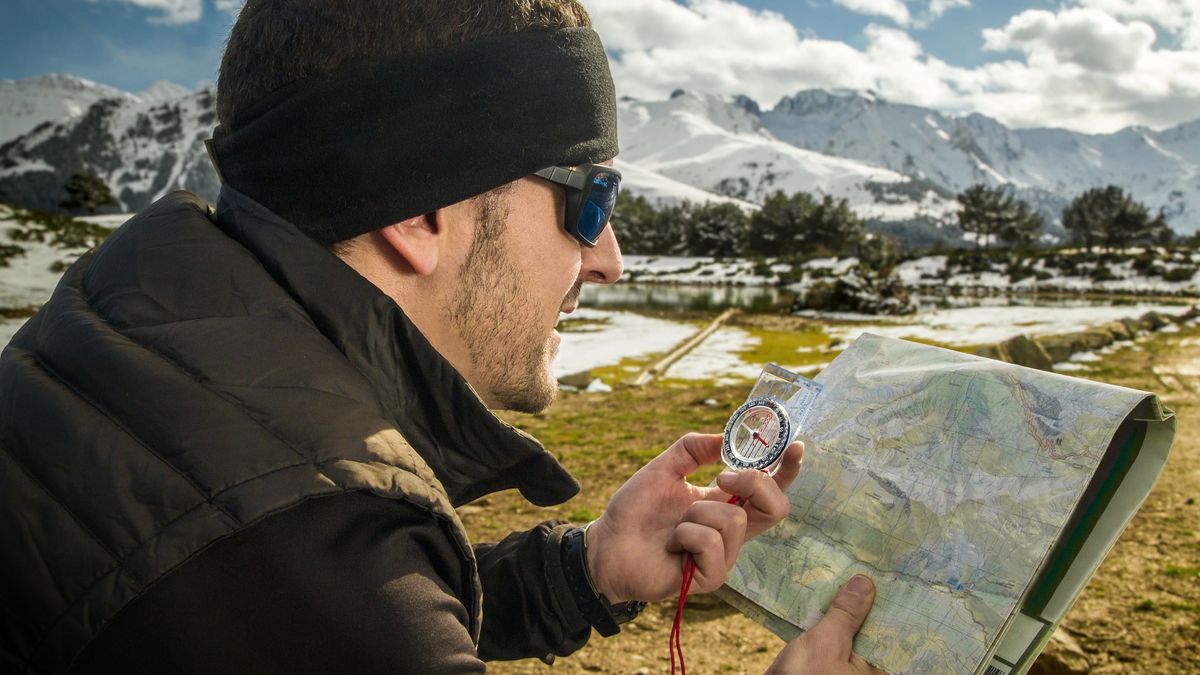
x,y
234,441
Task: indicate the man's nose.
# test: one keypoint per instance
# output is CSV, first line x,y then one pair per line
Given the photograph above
x,y
602,263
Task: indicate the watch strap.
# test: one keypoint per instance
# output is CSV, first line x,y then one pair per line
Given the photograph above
x,y
599,612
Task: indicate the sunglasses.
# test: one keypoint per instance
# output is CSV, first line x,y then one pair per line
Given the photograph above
x,y
590,200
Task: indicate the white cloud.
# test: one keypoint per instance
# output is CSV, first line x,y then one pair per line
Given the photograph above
x,y
925,13
1089,38
174,12
1180,18
895,10
169,11
939,7
1077,68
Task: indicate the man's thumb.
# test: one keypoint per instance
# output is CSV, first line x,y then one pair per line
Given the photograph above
x,y
848,610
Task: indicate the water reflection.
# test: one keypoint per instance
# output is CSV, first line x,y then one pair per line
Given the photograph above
x,y
686,298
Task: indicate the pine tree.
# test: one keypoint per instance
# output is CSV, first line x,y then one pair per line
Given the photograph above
x,y
1022,226
87,191
799,225
832,225
717,229
1108,216
775,229
982,213
635,221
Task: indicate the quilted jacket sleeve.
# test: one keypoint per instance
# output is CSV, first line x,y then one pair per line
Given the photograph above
x,y
350,583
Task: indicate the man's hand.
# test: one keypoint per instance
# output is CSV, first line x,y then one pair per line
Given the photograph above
x,y
637,548
827,649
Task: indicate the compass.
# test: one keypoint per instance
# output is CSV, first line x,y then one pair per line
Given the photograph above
x,y
756,435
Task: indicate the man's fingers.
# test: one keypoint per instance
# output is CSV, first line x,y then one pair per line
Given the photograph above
x,y
688,454
707,549
845,616
760,494
789,466
727,519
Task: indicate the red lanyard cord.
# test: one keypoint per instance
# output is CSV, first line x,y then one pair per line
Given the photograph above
x,y
689,571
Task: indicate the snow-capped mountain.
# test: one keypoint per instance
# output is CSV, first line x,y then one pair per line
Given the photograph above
x,y
162,91
719,145
1047,166
24,104
142,148
898,165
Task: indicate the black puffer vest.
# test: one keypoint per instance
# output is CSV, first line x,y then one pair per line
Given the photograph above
x,y
195,375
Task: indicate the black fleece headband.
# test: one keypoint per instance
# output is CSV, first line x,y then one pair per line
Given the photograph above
x,y
378,141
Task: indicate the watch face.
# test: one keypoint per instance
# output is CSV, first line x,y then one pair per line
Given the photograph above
x,y
756,435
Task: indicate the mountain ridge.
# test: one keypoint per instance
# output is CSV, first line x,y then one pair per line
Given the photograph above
x,y
898,164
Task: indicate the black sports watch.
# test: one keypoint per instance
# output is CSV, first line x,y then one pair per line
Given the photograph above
x,y
604,616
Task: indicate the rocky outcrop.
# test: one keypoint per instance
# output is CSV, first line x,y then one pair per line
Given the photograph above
x,y
1044,352
861,291
1020,350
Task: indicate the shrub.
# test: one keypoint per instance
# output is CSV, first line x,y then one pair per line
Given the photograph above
x,y
1180,274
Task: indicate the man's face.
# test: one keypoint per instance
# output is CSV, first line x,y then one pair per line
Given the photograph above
x,y
521,271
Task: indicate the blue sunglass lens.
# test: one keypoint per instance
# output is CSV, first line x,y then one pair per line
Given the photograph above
x,y
599,206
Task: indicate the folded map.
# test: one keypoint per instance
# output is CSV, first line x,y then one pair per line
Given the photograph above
x,y
980,496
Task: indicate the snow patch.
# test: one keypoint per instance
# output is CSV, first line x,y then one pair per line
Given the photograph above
x,y
623,335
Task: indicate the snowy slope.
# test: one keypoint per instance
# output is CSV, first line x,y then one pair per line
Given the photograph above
x,y
662,190
898,165
162,91
719,145
24,104
1048,166
141,148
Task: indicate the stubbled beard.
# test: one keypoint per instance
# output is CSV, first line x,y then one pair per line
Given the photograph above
x,y
497,317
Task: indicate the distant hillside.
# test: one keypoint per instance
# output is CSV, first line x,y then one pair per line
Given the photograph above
x,y
1049,167
143,149
898,165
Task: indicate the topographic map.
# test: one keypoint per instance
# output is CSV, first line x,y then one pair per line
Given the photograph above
x,y
944,477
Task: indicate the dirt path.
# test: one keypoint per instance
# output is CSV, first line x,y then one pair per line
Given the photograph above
x,y
1141,613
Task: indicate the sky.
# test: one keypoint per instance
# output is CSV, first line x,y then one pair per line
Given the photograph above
x,y
1089,65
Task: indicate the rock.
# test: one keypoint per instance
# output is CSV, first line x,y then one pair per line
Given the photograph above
x,y
1118,330
1133,326
862,291
1062,656
1023,351
579,380
1152,321
1060,347
989,352
1097,339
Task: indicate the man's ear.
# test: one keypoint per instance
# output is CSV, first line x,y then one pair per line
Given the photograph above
x,y
417,240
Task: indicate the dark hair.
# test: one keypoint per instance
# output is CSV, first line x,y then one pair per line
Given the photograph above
x,y
276,42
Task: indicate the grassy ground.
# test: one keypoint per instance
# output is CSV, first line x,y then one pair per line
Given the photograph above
x,y
1141,613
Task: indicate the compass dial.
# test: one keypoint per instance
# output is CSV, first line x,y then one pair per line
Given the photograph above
x,y
756,435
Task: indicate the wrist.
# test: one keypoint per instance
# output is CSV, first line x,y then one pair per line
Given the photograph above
x,y
596,608
592,545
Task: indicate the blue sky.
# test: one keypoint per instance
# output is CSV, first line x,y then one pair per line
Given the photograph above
x,y
128,46
1093,65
